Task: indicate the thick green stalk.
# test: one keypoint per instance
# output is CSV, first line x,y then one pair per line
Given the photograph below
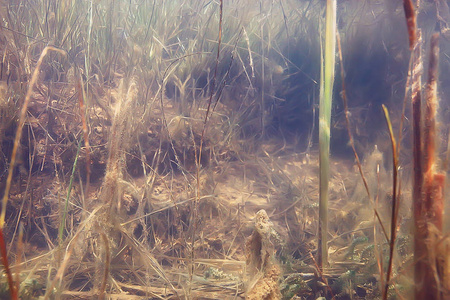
x,y
326,97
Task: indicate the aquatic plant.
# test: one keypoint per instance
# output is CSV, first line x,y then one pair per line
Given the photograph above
x,y
145,152
326,98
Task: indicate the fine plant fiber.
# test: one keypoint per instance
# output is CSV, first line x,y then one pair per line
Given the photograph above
x,y
326,96
119,140
395,204
68,253
112,190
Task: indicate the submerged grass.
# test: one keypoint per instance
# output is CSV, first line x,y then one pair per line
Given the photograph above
x,y
21,123
69,190
172,176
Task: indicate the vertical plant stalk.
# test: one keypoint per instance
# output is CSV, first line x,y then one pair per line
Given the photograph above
x,y
87,60
12,287
22,116
69,190
428,199
69,248
263,75
417,159
430,205
81,102
410,16
107,263
198,156
433,205
326,97
395,205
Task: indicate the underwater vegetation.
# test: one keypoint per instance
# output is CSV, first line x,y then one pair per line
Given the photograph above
x,y
190,149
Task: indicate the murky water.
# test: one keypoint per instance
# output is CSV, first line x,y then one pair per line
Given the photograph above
x,y
170,149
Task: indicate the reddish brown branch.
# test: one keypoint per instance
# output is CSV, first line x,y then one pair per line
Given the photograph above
x,y
429,201
12,287
410,15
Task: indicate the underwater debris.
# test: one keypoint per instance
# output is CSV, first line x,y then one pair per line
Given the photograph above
x,y
294,285
263,271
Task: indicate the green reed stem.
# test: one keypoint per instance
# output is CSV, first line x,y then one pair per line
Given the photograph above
x,y
326,97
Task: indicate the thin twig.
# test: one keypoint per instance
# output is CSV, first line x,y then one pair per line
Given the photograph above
x,y
394,214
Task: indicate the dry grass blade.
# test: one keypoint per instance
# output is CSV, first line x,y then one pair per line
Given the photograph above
x,y
22,116
213,84
81,102
68,254
150,259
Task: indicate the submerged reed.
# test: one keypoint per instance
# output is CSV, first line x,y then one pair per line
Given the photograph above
x,y
326,98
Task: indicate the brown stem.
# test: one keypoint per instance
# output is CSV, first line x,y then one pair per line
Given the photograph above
x,y
12,287
429,221
394,211
410,15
